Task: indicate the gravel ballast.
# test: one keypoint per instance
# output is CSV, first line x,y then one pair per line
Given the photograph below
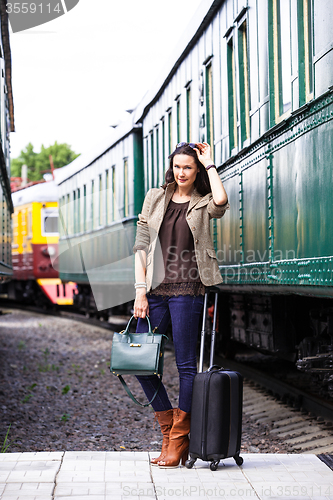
x,y
57,393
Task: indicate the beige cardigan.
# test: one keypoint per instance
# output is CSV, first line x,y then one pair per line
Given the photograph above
x,y
201,209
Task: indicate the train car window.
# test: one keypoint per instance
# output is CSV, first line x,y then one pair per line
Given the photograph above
x,y
147,178
29,224
232,106
244,82
15,230
170,130
305,50
49,222
100,201
209,107
51,225
19,231
84,207
189,113
157,156
152,162
285,55
126,207
279,59
24,223
178,120
68,228
61,215
113,192
107,194
78,211
163,147
92,211
74,218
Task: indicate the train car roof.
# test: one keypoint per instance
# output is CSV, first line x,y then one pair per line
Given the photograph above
x,y
201,19
197,24
96,150
45,191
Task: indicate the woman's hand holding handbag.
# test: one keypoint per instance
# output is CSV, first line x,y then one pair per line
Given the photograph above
x,y
138,354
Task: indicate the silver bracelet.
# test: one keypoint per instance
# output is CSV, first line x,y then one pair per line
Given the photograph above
x,y
140,285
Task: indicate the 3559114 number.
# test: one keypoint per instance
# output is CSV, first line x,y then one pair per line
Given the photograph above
x,y
32,8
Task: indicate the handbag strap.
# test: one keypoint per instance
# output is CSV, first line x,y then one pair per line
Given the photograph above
x,y
127,389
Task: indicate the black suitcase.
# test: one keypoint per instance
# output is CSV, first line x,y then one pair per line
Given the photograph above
x,y
216,413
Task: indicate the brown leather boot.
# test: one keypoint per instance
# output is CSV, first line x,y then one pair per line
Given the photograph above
x,y
178,440
165,419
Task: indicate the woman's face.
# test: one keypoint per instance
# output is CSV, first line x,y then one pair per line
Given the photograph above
x,y
185,170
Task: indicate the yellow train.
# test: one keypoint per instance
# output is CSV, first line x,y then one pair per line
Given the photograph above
x,y
35,248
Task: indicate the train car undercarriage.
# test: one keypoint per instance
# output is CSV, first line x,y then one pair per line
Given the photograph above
x,y
295,328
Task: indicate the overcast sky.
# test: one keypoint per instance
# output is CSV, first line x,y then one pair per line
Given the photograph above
x,y
75,76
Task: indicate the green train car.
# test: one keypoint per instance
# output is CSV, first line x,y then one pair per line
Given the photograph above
x,y
276,246
6,126
255,79
100,194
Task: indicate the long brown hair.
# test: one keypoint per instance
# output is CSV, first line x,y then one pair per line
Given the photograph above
x,y
201,182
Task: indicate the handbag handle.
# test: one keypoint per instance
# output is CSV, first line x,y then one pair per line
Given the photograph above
x,y
125,332
127,389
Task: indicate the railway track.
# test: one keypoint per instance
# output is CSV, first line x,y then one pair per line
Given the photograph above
x,y
301,420
114,323
303,433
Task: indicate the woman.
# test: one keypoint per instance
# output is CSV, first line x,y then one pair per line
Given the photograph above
x,y
179,213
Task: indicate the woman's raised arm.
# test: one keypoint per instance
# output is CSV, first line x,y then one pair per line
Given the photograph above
x,y
220,196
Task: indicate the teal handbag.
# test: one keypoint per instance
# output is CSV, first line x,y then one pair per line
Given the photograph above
x,y
138,354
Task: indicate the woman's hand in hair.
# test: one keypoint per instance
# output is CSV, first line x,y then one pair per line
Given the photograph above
x,y
204,153
220,196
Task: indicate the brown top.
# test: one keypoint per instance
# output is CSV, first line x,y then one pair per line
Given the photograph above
x,y
181,270
177,245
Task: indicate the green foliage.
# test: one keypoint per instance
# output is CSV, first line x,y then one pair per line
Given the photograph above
x,y
65,417
65,389
45,367
37,163
21,345
29,396
5,445
26,398
46,354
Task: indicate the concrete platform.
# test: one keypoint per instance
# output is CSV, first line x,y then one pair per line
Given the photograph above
x,y
128,475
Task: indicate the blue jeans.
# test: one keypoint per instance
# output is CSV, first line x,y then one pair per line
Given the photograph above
x,y
184,312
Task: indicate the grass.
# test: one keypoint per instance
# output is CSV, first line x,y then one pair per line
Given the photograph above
x,y
28,396
21,345
5,446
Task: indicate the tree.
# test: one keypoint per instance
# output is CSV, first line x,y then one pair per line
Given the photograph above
x,y
37,163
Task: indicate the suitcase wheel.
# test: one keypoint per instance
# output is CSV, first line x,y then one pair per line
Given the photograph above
x,y
189,463
238,460
214,464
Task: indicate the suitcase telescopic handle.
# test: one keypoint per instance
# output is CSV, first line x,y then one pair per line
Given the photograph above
x,y
212,341
203,331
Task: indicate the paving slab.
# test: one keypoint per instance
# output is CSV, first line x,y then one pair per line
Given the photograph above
x,y
129,475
